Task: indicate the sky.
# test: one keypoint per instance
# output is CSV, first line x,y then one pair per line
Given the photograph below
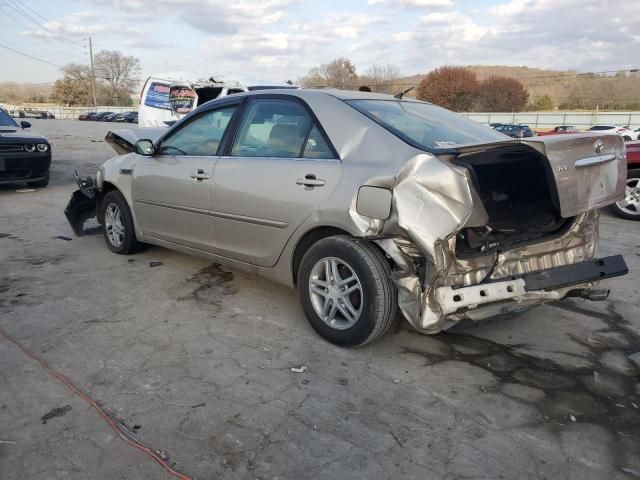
x,y
255,41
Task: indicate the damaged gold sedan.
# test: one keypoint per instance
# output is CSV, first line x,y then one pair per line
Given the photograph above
x,y
366,203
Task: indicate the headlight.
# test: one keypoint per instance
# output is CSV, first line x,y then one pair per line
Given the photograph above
x,y
42,147
30,147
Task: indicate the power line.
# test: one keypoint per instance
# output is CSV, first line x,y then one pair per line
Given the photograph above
x,y
40,38
56,35
29,56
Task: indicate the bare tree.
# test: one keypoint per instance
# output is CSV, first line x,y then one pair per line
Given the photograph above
x,y
119,71
74,87
382,78
339,73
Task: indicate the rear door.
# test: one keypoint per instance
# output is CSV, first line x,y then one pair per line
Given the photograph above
x,y
171,189
279,169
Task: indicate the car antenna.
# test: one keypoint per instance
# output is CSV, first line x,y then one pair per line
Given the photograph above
x,y
399,95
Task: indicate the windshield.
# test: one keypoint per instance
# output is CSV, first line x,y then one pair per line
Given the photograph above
x,y
426,126
6,120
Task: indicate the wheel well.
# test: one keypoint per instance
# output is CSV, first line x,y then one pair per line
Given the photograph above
x,y
305,243
106,188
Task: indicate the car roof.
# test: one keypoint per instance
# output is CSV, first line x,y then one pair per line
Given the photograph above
x,y
322,92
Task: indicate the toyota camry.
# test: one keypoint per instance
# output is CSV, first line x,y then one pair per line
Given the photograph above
x,y
366,203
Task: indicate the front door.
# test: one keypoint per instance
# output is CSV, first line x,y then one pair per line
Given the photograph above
x,y
280,170
171,189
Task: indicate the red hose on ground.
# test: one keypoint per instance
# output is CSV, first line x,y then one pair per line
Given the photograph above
x,y
87,399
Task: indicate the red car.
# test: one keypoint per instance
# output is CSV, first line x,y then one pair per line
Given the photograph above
x,y
629,208
561,130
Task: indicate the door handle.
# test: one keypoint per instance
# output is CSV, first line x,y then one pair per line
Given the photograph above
x,y
200,175
310,180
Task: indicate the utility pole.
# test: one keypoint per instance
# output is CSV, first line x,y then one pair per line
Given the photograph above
x,y
93,75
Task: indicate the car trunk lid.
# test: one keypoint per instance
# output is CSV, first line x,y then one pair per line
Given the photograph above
x,y
589,170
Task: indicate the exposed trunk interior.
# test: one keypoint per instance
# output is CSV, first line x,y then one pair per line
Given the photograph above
x,y
207,93
519,194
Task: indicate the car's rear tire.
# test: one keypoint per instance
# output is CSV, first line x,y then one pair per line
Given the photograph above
x,y
346,291
42,183
629,208
118,228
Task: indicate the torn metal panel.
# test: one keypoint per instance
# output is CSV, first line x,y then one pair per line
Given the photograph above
x,y
432,201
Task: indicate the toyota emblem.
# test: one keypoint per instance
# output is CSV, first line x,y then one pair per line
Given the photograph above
x,y
598,146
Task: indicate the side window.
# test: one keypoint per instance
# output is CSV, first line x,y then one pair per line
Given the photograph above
x,y
317,146
201,136
272,128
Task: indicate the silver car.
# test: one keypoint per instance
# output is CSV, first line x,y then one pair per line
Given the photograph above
x,y
366,203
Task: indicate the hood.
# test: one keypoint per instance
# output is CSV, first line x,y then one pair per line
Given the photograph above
x,y
124,141
13,134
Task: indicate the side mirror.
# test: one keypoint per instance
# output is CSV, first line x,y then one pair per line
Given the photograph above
x,y
145,147
24,124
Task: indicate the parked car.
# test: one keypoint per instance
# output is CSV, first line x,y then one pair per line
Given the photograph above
x,y
25,156
629,207
110,117
366,203
625,133
561,130
100,116
86,116
515,131
127,117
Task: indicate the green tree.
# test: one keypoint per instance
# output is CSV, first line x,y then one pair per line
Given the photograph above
x,y
544,102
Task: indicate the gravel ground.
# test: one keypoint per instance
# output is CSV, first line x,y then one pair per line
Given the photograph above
x,y
196,359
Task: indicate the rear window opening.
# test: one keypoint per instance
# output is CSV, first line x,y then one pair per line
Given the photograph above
x,y
207,93
519,195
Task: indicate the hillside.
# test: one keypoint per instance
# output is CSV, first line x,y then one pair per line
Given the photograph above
x,y
568,89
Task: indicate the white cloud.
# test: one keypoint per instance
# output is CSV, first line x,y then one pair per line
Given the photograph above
x,y
278,39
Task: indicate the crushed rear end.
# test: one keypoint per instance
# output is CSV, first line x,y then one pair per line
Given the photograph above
x,y
488,229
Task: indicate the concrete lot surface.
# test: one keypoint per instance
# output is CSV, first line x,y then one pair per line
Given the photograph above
x,y
196,359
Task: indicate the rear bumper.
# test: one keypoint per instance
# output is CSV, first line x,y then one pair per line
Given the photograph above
x,y
546,285
16,167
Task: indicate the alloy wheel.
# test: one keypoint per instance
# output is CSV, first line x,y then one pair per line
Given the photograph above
x,y
114,225
631,203
336,293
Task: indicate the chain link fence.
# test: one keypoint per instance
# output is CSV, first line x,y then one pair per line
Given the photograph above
x,y
548,120
535,120
63,112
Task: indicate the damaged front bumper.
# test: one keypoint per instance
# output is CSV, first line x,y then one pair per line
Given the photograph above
x,y
82,204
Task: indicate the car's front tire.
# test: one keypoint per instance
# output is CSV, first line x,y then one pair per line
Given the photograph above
x,y
346,291
629,208
118,228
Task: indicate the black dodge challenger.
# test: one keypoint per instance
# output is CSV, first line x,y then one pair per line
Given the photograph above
x,y
25,157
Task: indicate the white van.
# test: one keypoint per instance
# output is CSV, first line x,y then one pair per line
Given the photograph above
x,y
165,99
